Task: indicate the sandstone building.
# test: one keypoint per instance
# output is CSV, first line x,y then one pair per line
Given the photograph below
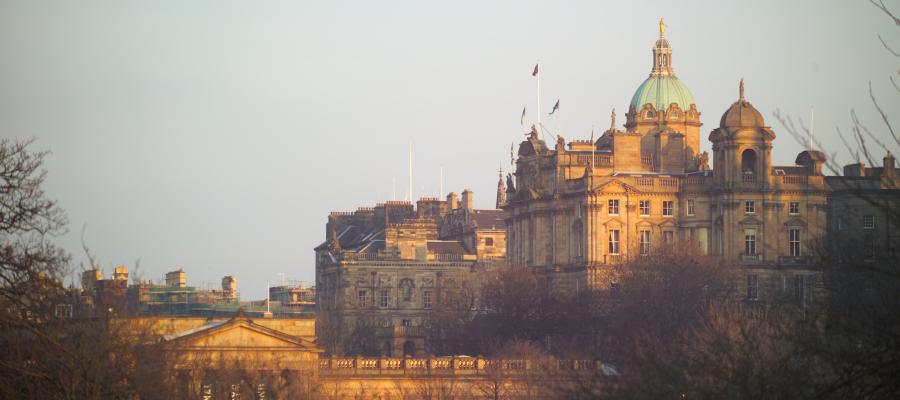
x,y
380,270
575,210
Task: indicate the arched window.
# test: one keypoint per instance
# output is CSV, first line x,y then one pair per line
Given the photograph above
x,y
409,349
748,162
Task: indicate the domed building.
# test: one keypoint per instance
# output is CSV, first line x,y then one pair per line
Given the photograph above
x,y
576,211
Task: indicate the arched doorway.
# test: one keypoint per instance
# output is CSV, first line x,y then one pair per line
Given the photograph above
x,y
409,349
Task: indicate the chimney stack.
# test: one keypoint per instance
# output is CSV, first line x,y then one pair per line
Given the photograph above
x,y
467,200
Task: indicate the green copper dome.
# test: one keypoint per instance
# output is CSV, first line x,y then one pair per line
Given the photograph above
x,y
662,90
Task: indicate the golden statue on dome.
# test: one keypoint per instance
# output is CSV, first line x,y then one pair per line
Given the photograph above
x,y
662,27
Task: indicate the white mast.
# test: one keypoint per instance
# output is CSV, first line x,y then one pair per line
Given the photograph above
x,y
812,124
441,187
409,192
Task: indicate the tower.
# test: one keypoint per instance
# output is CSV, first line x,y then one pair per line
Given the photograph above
x,y
501,191
742,147
664,113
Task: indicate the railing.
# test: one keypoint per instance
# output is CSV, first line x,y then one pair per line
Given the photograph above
x,y
695,180
668,182
645,181
793,180
446,365
751,257
613,258
647,161
602,160
748,178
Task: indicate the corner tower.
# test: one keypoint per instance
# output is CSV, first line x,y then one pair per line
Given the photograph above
x,y
664,112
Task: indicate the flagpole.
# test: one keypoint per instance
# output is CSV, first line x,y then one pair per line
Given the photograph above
x,y
537,66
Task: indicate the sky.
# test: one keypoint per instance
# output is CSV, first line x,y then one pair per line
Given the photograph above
x,y
216,136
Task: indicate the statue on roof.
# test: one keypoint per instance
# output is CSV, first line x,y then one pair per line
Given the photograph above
x,y
703,162
533,135
662,27
612,120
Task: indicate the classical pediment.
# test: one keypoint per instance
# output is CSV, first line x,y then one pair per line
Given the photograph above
x,y
750,221
795,222
239,333
616,186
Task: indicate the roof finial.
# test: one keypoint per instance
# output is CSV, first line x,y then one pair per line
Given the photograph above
x,y
662,28
742,89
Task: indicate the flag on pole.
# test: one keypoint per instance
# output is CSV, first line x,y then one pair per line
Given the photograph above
x,y
522,118
535,70
556,107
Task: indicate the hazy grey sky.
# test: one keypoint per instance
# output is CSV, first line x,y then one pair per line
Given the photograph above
x,y
216,136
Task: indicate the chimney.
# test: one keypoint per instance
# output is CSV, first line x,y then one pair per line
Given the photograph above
x,y
888,171
452,201
857,170
120,273
467,200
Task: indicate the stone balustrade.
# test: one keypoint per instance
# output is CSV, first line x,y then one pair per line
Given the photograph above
x,y
453,365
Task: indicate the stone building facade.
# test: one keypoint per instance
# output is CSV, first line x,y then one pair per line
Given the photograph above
x,y
575,210
381,269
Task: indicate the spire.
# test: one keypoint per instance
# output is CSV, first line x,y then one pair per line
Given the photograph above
x,y
662,54
501,190
741,98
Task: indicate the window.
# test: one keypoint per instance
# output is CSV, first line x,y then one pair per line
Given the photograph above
x,y
752,287
613,207
63,311
794,240
645,242
794,209
645,207
488,241
426,299
361,298
385,298
669,237
868,222
667,208
406,289
690,207
614,241
406,322
750,244
799,286
749,207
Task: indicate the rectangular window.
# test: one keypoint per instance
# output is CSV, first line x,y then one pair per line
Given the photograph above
x,y
613,207
406,322
488,241
361,298
426,299
799,286
868,222
669,237
752,287
645,208
385,299
668,208
794,208
750,244
794,239
749,207
645,242
614,241
690,207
